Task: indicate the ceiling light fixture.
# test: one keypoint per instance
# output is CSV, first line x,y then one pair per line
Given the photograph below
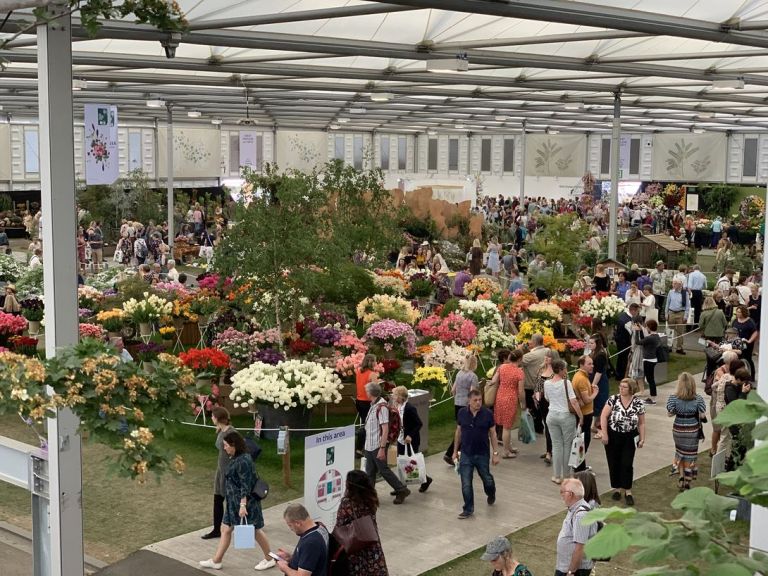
x,y
216,121
78,84
357,110
334,126
431,132
342,120
574,106
697,130
194,113
155,103
500,118
459,126
732,84
382,96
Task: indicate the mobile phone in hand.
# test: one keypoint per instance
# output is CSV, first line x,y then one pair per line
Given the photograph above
x,y
275,556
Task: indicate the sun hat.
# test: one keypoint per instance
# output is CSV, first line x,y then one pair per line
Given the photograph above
x,y
496,548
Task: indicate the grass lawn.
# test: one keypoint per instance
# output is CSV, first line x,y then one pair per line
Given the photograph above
x,y
121,516
535,544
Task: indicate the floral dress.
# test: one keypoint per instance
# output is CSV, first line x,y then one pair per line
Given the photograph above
x,y
239,482
370,560
505,408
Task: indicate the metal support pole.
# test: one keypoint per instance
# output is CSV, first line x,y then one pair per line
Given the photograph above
x,y
54,46
169,177
614,204
522,165
758,533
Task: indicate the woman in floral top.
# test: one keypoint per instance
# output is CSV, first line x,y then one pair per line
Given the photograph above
x,y
622,420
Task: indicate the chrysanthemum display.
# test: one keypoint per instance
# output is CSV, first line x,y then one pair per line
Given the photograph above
x,y
384,307
546,311
606,308
493,338
531,327
480,312
450,356
287,385
481,286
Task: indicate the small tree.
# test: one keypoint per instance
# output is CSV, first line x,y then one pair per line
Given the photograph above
x,y
698,543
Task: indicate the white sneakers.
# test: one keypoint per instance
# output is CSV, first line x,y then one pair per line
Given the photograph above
x,y
210,564
265,564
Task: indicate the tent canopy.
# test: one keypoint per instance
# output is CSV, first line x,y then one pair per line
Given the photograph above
x,y
398,66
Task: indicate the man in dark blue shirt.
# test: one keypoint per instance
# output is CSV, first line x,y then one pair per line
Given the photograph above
x,y
475,438
310,558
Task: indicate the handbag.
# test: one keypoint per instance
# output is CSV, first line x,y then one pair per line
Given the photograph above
x,y
358,534
489,393
578,452
244,536
260,489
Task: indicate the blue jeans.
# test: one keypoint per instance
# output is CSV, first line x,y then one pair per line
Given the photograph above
x,y
467,464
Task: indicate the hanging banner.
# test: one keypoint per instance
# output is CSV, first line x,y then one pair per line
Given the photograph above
x,y
555,155
685,157
328,457
196,152
625,147
248,149
102,162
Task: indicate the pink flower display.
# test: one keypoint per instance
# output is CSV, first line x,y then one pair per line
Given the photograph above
x,y
347,365
349,343
91,331
391,334
11,324
452,328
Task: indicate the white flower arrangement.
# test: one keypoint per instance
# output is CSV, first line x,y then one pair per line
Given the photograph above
x,y
480,312
606,309
545,311
451,356
492,338
390,284
151,308
287,384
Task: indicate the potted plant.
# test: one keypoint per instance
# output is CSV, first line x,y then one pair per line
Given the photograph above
x,y
25,345
421,287
112,321
33,310
145,312
430,377
93,331
392,336
11,325
204,304
286,392
207,364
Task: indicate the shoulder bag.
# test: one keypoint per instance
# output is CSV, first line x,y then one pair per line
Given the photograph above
x,y
358,534
260,489
489,393
568,400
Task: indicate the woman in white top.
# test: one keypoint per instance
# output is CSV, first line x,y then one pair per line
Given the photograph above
x,y
648,304
560,421
633,295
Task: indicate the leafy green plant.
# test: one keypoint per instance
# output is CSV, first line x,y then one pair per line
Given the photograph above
x,y
6,203
699,542
558,239
421,228
717,200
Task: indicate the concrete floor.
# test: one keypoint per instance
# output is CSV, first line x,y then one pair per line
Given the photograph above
x,y
424,532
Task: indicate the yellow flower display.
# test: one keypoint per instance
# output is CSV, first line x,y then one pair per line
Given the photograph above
x,y
531,327
430,376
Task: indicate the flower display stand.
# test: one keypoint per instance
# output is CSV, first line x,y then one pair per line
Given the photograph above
x,y
295,418
34,327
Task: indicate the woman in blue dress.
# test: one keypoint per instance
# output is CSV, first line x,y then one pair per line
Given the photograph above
x,y
689,411
241,505
494,264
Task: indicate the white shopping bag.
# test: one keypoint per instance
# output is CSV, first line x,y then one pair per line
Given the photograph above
x,y
411,467
244,536
577,450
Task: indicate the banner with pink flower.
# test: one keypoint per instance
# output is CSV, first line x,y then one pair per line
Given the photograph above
x,y
102,162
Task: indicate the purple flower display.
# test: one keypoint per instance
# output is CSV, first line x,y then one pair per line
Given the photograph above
x,y
84,312
269,356
325,336
391,334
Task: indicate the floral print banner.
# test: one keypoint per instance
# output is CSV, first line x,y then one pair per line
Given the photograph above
x,y
555,155
196,152
687,157
102,165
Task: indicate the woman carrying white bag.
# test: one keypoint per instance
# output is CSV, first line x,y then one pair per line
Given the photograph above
x,y
410,462
242,507
563,427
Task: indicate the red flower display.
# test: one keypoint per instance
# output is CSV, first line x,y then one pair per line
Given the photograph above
x,y
208,360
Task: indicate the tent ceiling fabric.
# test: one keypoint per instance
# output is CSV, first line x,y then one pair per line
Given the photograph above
x,y
306,63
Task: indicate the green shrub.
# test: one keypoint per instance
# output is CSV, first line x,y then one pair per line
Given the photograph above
x,y
344,286
450,306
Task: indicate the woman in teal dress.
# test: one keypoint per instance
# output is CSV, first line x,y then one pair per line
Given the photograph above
x,y
499,553
241,506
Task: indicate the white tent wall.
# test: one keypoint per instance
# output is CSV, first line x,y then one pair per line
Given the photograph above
x,y
300,149
5,153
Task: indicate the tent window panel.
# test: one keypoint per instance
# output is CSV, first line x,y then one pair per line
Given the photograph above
x,y
338,148
432,154
134,151
605,156
234,152
453,154
485,155
384,152
402,153
357,151
749,169
634,156
31,151
509,155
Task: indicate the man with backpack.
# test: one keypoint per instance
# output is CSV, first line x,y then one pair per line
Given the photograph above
x,y
382,425
573,535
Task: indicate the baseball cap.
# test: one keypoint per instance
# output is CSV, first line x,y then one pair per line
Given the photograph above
x,y
496,548
659,262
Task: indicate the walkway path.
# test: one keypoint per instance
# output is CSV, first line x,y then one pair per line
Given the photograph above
x,y
424,532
